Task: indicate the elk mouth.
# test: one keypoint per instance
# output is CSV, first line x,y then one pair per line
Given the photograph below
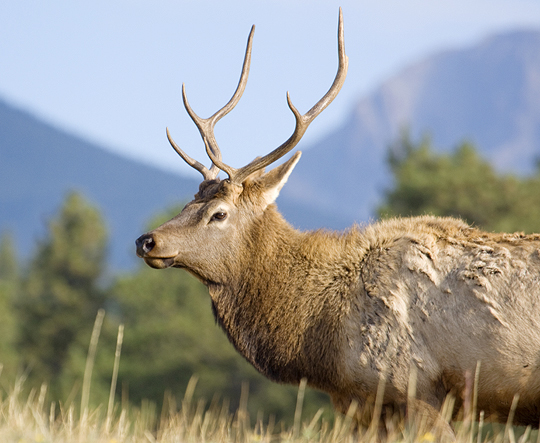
x,y
169,262
159,262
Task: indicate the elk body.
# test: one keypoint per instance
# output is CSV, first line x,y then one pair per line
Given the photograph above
x,y
345,310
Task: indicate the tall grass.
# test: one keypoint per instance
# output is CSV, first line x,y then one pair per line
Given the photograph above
x,y
26,418
31,420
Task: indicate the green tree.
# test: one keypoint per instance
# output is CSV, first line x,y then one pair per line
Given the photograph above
x,y
61,293
460,184
9,288
9,268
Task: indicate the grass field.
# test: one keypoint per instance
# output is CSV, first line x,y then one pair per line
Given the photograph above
x,y
29,417
26,418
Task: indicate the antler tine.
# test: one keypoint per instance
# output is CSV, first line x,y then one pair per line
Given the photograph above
x,y
302,121
207,174
206,125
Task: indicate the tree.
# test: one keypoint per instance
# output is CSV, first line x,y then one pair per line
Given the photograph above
x,y
9,268
61,293
460,184
9,288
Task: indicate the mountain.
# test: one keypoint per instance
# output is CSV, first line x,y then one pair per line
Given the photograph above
x,y
40,164
488,94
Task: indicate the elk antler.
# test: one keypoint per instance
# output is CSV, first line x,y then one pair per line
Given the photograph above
x,y
302,121
206,126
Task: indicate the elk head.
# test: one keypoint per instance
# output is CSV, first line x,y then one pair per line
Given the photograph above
x,y
210,235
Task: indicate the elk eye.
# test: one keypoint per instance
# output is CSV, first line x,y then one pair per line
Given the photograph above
x,y
219,216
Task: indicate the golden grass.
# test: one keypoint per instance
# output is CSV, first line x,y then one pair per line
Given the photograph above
x,y
30,419
27,418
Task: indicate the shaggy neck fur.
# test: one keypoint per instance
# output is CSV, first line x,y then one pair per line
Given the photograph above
x,y
291,327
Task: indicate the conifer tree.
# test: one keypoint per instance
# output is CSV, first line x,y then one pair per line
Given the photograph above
x,y
61,291
460,184
9,288
9,268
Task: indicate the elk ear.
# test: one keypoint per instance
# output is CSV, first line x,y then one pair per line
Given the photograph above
x,y
272,182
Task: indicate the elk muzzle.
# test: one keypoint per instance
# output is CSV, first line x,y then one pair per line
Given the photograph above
x,y
145,245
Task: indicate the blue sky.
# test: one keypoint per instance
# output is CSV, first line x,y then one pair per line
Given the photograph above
x,y
111,71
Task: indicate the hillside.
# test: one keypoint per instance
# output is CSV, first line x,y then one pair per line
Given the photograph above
x,y
488,94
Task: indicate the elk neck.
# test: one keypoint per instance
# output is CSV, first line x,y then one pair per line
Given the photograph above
x,y
284,308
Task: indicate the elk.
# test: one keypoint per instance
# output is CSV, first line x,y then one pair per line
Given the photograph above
x,y
345,310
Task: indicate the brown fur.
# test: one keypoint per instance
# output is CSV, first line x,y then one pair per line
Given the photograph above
x,y
345,309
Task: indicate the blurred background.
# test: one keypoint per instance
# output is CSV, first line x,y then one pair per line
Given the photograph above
x,y
440,114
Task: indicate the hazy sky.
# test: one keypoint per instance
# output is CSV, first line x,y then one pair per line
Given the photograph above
x,y
111,71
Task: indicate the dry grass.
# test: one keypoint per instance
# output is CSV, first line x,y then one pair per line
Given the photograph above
x,y
30,418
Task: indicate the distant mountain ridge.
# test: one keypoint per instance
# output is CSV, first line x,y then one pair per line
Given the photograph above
x,y
488,93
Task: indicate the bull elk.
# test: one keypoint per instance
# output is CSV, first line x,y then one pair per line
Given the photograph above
x,y
345,310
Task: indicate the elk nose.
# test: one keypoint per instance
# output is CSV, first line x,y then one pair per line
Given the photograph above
x,y
145,243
